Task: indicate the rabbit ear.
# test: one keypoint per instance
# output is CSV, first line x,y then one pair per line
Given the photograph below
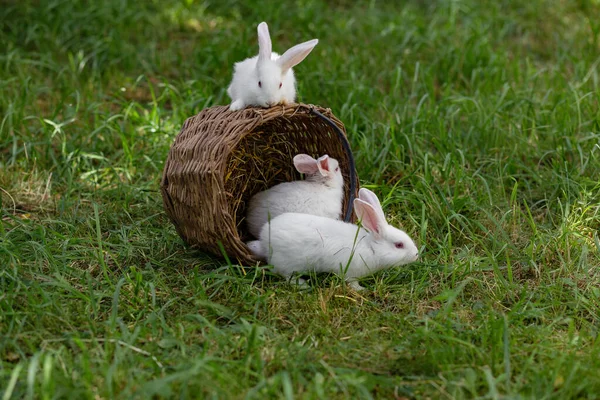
x,y
264,42
371,198
370,218
323,165
305,164
296,54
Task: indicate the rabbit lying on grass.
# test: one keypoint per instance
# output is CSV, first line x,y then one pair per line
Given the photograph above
x,y
296,243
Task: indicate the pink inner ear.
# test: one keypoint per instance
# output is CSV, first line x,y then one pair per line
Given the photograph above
x,y
371,198
295,55
323,163
368,215
305,164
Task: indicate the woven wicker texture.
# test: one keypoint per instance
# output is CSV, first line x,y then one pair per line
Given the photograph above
x,y
220,159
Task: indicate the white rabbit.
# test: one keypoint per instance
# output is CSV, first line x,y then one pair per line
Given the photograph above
x,y
266,79
299,243
321,193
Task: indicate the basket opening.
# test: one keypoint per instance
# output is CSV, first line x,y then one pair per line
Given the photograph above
x,y
220,159
263,158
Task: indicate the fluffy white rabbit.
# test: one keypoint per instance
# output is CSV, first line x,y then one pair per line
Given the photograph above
x,y
295,242
321,193
266,79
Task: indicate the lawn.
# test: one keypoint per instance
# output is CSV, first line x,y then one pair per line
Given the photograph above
x,y
477,122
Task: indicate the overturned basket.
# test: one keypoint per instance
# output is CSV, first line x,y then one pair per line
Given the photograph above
x,y
220,159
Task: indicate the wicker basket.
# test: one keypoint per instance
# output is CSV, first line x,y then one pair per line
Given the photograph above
x,y
220,159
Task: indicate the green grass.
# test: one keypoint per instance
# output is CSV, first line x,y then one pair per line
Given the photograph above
x,y
477,123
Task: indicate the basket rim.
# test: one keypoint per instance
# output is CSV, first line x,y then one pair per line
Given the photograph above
x,y
238,124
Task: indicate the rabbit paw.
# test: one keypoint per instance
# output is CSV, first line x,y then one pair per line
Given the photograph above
x,y
237,105
354,285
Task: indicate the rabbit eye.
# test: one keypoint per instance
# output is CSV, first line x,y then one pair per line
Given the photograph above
x,y
259,84
280,85
399,245
337,169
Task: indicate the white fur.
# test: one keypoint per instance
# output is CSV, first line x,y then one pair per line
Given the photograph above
x,y
295,243
274,72
321,193
256,249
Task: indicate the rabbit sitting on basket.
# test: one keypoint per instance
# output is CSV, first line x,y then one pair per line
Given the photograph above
x,y
267,79
321,193
296,243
